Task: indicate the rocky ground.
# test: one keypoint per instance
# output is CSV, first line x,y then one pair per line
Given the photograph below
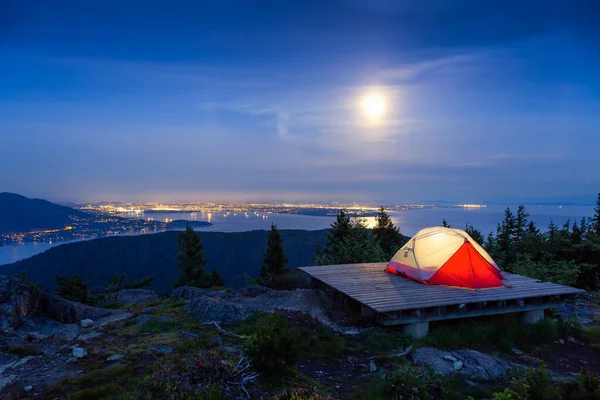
x,y
52,348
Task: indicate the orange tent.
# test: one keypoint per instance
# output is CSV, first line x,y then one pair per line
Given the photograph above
x,y
444,256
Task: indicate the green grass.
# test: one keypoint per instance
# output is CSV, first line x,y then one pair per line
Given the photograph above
x,y
100,383
492,333
20,351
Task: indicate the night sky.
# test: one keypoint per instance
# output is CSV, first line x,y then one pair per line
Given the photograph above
x,y
255,100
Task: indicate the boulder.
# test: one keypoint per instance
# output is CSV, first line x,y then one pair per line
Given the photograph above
x,y
223,312
86,323
18,300
470,363
87,337
188,336
215,341
115,357
164,319
161,349
225,307
132,296
79,352
143,319
372,366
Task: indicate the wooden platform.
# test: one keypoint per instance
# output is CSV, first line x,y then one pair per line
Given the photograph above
x,y
394,300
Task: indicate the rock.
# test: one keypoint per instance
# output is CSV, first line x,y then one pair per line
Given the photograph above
x,y
161,349
27,388
215,341
571,339
143,319
7,380
86,323
222,312
473,364
516,352
230,349
372,366
352,359
164,319
66,332
115,357
79,352
561,341
18,300
227,307
148,310
450,358
188,336
86,337
132,296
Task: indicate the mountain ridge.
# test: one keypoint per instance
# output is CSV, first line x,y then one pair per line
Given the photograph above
x,y
21,214
235,254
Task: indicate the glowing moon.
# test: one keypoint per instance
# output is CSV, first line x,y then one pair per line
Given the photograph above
x,y
373,105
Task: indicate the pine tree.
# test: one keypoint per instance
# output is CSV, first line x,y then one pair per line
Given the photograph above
x,y
216,278
339,230
445,224
475,234
274,259
357,244
596,218
521,222
74,289
389,236
505,238
532,229
190,260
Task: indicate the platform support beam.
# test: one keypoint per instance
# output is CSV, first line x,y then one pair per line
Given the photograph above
x,y
417,330
532,317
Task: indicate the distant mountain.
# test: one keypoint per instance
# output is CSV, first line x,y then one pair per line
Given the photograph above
x,y
234,254
20,214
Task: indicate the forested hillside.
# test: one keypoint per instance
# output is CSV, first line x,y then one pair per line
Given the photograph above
x,y
20,214
234,254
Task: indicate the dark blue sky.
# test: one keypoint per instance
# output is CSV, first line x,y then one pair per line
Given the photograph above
x,y
257,100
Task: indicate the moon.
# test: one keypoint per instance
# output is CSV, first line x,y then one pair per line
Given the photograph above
x,y
373,105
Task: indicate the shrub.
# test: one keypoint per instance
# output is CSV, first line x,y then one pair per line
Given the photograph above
x,y
537,385
301,394
409,383
203,376
275,347
75,289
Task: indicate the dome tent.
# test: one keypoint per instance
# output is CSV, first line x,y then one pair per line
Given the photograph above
x,y
444,256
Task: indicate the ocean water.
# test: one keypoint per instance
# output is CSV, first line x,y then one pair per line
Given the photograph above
x,y
409,221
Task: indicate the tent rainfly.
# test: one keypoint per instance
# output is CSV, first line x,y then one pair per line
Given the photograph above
x,y
444,256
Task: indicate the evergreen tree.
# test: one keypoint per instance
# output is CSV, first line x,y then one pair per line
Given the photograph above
x,y
532,229
521,223
445,224
338,231
340,228
190,260
596,218
475,234
389,236
357,245
274,259
360,246
74,289
216,278
505,234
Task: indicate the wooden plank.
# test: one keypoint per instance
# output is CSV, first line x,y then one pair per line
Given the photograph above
x,y
468,314
378,291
